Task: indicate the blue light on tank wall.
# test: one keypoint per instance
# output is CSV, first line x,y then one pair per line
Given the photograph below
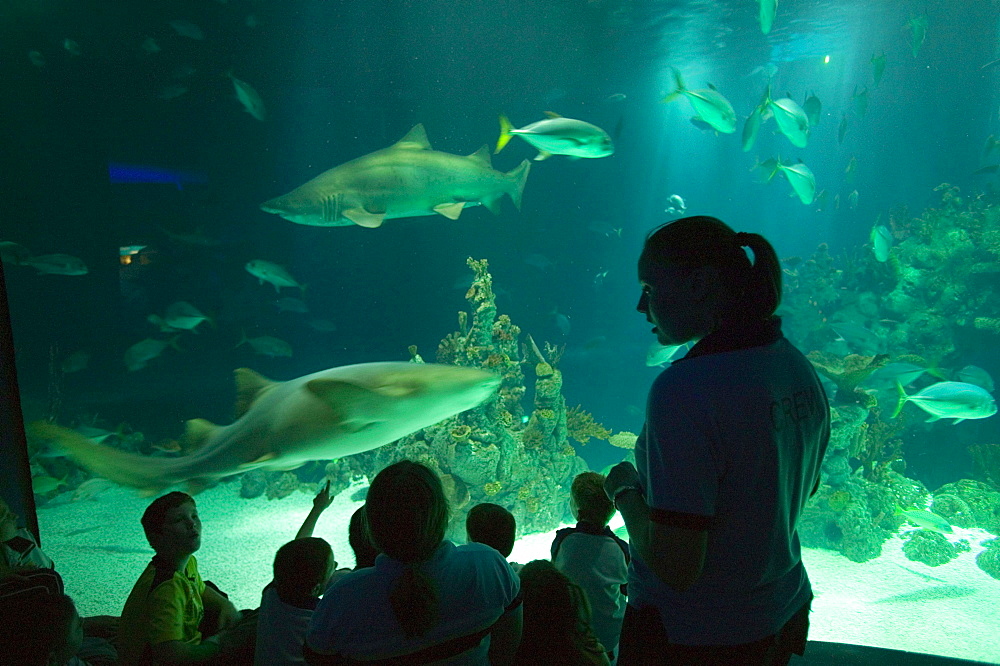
x,y
136,173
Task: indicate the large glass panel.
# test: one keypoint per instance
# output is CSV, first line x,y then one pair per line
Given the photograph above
x,y
170,217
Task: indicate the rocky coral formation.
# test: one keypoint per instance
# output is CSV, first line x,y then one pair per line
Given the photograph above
x,y
969,503
989,559
931,548
492,453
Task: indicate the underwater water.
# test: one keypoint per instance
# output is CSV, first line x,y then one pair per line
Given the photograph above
x,y
162,229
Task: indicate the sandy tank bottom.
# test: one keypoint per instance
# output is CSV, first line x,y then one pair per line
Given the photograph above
x,y
99,548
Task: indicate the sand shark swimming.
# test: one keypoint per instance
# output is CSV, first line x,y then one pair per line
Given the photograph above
x,y
406,179
282,425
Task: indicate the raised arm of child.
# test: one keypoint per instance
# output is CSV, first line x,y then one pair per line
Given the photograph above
x,y
320,503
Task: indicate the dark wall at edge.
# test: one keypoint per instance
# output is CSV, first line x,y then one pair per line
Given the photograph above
x,y
15,472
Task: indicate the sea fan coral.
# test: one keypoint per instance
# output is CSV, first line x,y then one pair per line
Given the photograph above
x,y
581,426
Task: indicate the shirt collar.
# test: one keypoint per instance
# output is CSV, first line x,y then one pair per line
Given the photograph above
x,y
733,338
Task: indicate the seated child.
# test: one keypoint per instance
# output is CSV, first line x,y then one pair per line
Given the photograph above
x,y
302,570
556,615
594,558
364,552
493,525
161,618
41,626
20,553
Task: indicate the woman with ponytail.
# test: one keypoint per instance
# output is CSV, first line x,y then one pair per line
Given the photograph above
x,y
731,450
426,600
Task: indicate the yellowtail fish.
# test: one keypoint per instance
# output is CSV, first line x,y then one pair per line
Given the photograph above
x,y
559,136
799,176
950,400
709,104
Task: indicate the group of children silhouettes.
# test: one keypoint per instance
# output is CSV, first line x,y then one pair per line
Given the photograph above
x,y
566,610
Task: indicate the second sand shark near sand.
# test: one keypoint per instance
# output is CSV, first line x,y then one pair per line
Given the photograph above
x,y
282,425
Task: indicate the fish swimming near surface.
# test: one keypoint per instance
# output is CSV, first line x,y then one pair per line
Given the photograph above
x,y
850,170
275,274
860,100
752,127
559,136
281,425
852,199
800,177
860,339
898,371
36,58
881,239
249,98
878,67
842,130
918,32
407,179
813,108
56,264
768,8
72,47
791,118
950,400
144,351
709,104
179,316
187,29
267,345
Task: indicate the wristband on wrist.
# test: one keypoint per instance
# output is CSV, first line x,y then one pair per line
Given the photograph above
x,y
623,490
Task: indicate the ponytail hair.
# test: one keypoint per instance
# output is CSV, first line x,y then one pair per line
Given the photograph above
x,y
406,514
754,287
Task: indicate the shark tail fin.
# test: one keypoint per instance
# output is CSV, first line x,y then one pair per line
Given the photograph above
x,y
517,177
150,475
505,128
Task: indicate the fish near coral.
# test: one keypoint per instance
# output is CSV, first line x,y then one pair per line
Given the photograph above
x,y
407,179
950,400
281,425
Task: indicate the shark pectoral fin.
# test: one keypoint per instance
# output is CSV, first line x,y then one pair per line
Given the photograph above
x,y
363,218
415,139
270,455
250,385
355,407
542,155
197,432
493,203
450,210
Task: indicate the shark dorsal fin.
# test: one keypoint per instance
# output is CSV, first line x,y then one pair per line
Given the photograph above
x,y
249,386
197,432
415,139
552,114
356,407
483,156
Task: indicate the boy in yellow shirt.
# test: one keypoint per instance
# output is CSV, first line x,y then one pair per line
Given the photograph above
x,y
159,624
